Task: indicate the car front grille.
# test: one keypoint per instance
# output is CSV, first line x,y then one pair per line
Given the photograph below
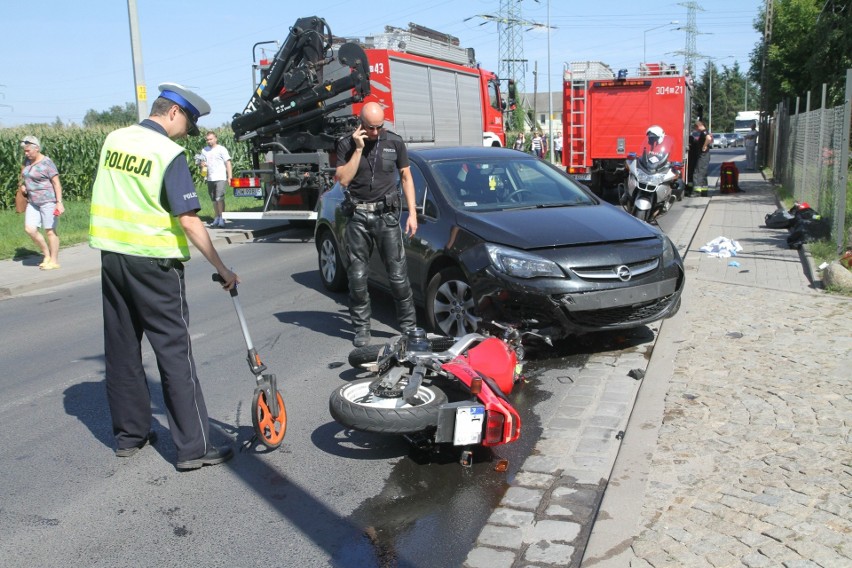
x,y
620,316
598,273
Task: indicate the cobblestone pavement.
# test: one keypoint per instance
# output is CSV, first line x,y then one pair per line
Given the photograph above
x,y
753,464
736,444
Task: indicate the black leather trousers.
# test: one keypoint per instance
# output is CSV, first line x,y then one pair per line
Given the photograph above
x,y
365,231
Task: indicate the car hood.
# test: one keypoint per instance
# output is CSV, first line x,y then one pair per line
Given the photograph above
x,y
559,226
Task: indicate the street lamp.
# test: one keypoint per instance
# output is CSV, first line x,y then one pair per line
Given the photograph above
x,y
645,37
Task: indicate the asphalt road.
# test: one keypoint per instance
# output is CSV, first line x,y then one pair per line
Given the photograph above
x,y
326,497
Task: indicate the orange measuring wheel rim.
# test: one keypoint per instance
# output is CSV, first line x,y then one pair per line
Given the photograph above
x,y
270,429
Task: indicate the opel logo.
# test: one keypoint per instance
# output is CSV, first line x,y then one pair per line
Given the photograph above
x,y
623,273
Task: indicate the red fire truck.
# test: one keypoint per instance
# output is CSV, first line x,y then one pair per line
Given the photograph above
x,y
605,116
432,90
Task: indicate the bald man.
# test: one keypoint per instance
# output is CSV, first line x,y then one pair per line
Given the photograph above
x,y
370,162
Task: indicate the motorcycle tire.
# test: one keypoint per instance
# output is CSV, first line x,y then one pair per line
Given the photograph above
x,y
641,215
361,357
353,406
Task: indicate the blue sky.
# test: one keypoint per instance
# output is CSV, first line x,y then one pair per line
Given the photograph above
x,y
60,58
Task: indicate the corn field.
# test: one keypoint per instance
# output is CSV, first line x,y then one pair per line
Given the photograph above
x,y
75,152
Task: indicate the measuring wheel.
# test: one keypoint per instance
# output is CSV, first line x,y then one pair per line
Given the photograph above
x,y
268,427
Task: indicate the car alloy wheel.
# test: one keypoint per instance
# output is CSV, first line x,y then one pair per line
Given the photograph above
x,y
450,308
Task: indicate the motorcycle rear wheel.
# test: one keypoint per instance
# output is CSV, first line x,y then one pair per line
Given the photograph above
x,y
355,407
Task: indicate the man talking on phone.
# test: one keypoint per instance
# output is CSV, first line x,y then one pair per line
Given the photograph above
x,y
370,162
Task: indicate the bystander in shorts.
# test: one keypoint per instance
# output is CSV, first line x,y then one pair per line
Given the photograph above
x,y
216,190
41,215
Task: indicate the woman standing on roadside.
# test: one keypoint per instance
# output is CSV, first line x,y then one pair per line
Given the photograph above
x,y
44,201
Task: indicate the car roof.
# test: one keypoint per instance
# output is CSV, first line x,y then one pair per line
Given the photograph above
x,y
469,152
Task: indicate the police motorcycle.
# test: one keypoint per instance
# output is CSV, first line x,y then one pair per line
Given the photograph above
x,y
653,182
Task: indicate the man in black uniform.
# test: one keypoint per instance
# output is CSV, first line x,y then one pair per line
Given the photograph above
x,y
700,142
368,162
143,217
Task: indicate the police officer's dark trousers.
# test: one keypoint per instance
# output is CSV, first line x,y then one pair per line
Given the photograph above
x,y
365,230
147,296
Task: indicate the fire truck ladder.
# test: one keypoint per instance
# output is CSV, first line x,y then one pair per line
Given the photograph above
x,y
577,108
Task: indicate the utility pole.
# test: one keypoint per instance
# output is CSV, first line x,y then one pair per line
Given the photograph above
x,y
138,72
535,94
764,95
510,28
549,92
690,54
511,43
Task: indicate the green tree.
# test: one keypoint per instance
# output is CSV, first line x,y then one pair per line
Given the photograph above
x,y
115,116
811,44
729,94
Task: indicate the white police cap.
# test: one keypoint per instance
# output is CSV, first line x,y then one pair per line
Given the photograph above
x,y
193,104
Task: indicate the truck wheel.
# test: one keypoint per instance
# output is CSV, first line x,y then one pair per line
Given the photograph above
x,y
355,407
331,269
450,309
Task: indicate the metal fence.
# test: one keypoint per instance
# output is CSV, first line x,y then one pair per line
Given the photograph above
x,y
808,153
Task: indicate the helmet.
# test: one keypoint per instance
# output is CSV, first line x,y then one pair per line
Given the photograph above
x,y
656,154
655,134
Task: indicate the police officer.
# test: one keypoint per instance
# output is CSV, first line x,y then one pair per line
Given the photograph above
x,y
368,164
700,142
143,216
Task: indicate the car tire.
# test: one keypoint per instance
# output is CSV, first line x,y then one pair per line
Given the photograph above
x,y
331,270
450,308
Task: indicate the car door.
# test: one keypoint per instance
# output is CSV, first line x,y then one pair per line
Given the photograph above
x,y
433,230
419,248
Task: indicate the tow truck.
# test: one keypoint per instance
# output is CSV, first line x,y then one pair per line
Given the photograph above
x,y
310,94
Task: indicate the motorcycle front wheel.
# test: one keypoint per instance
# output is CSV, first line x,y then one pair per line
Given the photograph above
x,y
354,406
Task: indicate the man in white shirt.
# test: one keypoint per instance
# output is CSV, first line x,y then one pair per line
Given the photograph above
x,y
751,147
557,147
219,175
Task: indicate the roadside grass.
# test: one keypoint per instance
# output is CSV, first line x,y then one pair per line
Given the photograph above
x,y
74,224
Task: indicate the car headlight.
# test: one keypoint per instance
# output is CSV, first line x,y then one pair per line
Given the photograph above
x,y
668,251
522,264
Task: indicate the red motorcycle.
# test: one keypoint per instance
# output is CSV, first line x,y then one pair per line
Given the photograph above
x,y
456,396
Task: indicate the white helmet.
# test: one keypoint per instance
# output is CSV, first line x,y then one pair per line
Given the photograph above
x,y
655,134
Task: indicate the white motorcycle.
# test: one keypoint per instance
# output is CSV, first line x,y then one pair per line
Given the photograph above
x,y
653,183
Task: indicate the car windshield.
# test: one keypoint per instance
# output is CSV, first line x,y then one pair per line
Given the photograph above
x,y
506,183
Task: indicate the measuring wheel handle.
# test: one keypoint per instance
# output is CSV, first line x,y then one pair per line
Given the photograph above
x,y
220,280
269,416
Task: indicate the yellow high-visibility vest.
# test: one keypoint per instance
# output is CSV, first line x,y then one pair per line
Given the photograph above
x,y
126,214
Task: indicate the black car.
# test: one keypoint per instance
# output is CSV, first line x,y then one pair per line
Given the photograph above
x,y
507,237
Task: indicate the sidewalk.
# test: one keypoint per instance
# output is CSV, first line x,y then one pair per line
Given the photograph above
x,y
79,261
737,449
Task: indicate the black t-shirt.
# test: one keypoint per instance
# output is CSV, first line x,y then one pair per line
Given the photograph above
x,y
696,141
378,170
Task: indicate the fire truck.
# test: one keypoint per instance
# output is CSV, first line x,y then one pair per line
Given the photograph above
x,y
605,116
312,91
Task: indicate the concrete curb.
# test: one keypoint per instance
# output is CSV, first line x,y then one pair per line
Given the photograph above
x,y
79,263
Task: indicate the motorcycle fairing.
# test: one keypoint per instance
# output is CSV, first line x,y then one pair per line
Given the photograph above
x,y
462,370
